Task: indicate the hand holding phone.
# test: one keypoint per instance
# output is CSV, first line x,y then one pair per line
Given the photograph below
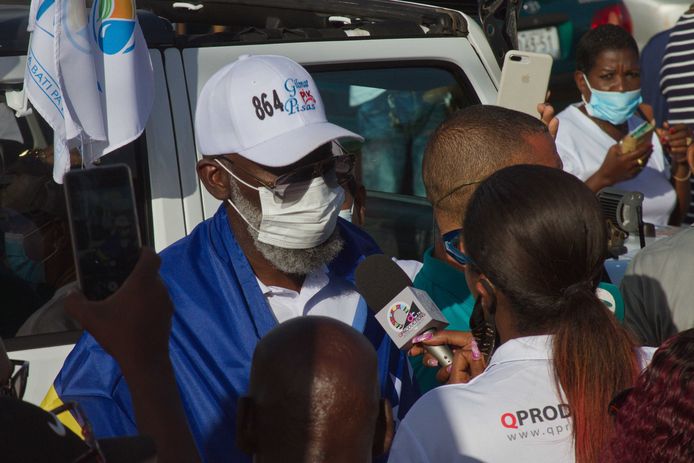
x,y
524,81
103,227
634,139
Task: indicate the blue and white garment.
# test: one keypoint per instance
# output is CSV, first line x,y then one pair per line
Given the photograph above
x,y
676,70
220,315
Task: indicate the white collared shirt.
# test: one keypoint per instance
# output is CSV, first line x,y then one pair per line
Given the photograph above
x,y
319,295
511,412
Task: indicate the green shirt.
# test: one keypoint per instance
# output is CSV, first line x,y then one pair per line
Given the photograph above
x,y
447,288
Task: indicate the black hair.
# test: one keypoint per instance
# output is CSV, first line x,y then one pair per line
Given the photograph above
x,y
595,41
538,235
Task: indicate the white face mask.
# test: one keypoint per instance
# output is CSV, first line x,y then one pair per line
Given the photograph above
x,y
304,218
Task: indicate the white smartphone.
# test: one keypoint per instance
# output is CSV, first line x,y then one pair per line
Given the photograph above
x,y
524,81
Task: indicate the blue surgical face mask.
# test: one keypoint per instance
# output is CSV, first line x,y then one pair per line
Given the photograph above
x,y
19,263
613,107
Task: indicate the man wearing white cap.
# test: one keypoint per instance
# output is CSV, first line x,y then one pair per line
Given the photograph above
x,y
274,250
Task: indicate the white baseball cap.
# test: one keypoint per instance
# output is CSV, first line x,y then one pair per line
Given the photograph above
x,y
267,109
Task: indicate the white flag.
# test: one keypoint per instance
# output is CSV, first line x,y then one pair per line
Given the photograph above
x,y
91,79
124,71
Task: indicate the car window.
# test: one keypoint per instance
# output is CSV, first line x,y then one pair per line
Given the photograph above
x,y
36,262
395,109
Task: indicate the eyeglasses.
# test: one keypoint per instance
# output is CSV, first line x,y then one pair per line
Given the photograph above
x,y
94,452
618,401
17,384
341,166
451,242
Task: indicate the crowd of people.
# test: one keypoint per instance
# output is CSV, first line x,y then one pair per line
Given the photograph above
x,y
248,341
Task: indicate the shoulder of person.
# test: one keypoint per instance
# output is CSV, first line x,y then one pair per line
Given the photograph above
x,y
77,378
358,238
570,121
664,253
410,267
197,239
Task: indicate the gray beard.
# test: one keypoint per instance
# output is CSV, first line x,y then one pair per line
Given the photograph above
x,y
291,261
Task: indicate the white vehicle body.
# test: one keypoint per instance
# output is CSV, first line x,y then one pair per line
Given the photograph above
x,y
652,16
176,200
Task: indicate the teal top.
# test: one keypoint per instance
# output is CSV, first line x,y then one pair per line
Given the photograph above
x,y
447,288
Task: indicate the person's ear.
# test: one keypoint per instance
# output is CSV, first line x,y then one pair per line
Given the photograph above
x,y
245,425
385,429
580,80
215,179
360,205
487,293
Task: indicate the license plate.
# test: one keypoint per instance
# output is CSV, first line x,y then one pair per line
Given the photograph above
x,y
544,40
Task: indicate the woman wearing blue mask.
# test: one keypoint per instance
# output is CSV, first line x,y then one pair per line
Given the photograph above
x,y
607,75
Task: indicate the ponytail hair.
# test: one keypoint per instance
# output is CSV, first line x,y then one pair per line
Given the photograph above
x,y
538,234
594,358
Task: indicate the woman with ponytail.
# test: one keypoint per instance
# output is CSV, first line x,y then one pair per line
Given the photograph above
x,y
535,240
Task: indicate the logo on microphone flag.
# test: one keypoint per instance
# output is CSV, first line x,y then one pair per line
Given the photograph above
x,y
401,315
90,77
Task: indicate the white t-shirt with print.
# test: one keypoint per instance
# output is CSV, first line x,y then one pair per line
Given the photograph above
x,y
582,146
511,412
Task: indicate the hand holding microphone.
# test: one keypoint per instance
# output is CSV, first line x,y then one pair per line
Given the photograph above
x,y
468,361
404,312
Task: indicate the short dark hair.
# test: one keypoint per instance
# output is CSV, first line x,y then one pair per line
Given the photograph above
x,y
595,41
469,146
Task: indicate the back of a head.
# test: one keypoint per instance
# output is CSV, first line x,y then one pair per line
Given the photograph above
x,y
538,235
656,421
471,145
536,231
314,391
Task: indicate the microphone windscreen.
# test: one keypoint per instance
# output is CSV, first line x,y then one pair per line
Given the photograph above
x,y
379,280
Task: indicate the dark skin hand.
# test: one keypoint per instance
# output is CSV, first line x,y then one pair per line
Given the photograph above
x,y
464,367
133,325
217,181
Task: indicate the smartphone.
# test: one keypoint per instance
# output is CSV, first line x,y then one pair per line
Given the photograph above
x,y
524,81
641,134
103,227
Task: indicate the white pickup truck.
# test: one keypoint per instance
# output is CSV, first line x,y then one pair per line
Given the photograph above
x,y
417,62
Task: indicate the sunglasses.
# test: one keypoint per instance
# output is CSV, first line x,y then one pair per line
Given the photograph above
x,y
340,167
451,242
17,384
93,454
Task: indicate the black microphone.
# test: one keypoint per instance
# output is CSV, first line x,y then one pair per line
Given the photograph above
x,y
404,312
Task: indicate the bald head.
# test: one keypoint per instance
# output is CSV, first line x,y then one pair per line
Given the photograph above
x,y
313,395
474,143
